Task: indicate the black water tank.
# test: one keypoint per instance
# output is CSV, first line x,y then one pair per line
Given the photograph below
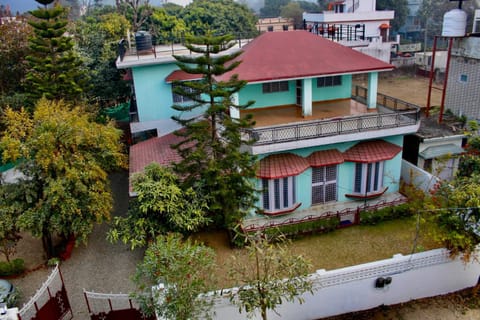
x,y
143,41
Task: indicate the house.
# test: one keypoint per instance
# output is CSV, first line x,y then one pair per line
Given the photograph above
x,y
356,24
323,144
274,24
412,29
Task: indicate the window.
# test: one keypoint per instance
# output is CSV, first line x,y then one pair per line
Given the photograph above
x,y
278,194
329,81
368,177
463,78
271,87
324,184
177,98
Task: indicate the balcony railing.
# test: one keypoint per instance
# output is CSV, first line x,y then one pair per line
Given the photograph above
x,y
392,113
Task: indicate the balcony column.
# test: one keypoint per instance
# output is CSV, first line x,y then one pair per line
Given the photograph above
x,y
234,111
307,98
372,90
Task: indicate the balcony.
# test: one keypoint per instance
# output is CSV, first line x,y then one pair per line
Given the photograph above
x,y
340,118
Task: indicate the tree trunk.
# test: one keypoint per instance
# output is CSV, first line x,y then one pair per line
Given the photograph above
x,y
264,313
48,245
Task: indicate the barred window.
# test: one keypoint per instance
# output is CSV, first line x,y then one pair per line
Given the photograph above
x,y
177,98
330,81
278,86
278,194
324,184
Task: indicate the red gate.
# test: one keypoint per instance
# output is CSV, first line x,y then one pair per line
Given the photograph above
x,y
50,302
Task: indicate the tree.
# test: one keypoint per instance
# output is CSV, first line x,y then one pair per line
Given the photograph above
x,y
9,231
309,6
56,71
65,160
221,17
212,162
185,269
272,8
470,162
268,275
13,48
167,28
97,35
401,11
138,11
294,12
161,206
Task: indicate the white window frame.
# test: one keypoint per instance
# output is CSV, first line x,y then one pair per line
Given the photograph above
x,y
324,183
275,197
369,177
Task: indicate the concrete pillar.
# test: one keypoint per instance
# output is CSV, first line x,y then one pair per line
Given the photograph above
x,y
235,112
372,90
307,98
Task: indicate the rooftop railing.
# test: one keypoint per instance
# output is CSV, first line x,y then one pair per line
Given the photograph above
x,y
392,113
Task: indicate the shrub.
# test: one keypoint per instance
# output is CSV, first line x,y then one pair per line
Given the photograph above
x,y
385,214
12,268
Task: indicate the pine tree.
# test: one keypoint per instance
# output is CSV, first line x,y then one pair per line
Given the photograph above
x,y
212,161
55,67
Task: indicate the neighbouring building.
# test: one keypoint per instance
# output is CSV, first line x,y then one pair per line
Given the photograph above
x,y
356,24
274,24
324,145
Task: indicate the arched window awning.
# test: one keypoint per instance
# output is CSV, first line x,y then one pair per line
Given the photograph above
x,y
282,165
180,75
325,158
371,151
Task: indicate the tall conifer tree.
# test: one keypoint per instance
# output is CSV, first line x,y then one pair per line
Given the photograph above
x,y
212,160
56,71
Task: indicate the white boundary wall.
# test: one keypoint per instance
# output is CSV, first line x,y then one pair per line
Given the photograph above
x,y
418,177
351,289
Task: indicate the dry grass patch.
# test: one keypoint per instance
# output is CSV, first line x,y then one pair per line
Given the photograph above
x,y
337,249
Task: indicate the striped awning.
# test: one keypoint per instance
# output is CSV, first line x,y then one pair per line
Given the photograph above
x,y
282,165
325,158
371,151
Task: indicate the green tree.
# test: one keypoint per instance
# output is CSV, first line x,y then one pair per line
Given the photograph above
x,y
167,28
470,161
13,49
9,230
212,162
294,12
66,158
137,11
267,276
97,35
56,70
309,6
401,11
272,8
161,206
185,269
220,16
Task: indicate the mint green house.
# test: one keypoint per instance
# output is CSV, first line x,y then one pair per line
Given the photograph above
x,y
325,145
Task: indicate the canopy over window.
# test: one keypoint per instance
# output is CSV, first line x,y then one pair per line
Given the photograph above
x,y
371,151
282,165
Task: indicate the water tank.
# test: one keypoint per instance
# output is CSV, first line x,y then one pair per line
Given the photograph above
x,y
143,41
454,23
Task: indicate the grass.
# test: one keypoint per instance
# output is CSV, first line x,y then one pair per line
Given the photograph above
x,y
337,249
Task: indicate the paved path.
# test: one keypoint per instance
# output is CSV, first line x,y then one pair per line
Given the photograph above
x,y
100,266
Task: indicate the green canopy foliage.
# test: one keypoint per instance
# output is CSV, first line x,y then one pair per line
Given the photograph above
x,y
212,161
185,269
56,69
66,158
160,206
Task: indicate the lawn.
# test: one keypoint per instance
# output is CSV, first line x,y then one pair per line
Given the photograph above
x,y
337,249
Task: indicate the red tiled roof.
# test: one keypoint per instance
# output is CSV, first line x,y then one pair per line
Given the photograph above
x,y
371,151
282,165
153,150
325,158
299,54
180,75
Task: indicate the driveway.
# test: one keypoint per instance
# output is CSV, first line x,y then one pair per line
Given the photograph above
x,y
99,266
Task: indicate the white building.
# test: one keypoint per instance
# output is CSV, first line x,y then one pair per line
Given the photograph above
x,y
355,24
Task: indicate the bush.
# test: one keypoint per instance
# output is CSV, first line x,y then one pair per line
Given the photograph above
x,y
12,268
290,230
385,214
